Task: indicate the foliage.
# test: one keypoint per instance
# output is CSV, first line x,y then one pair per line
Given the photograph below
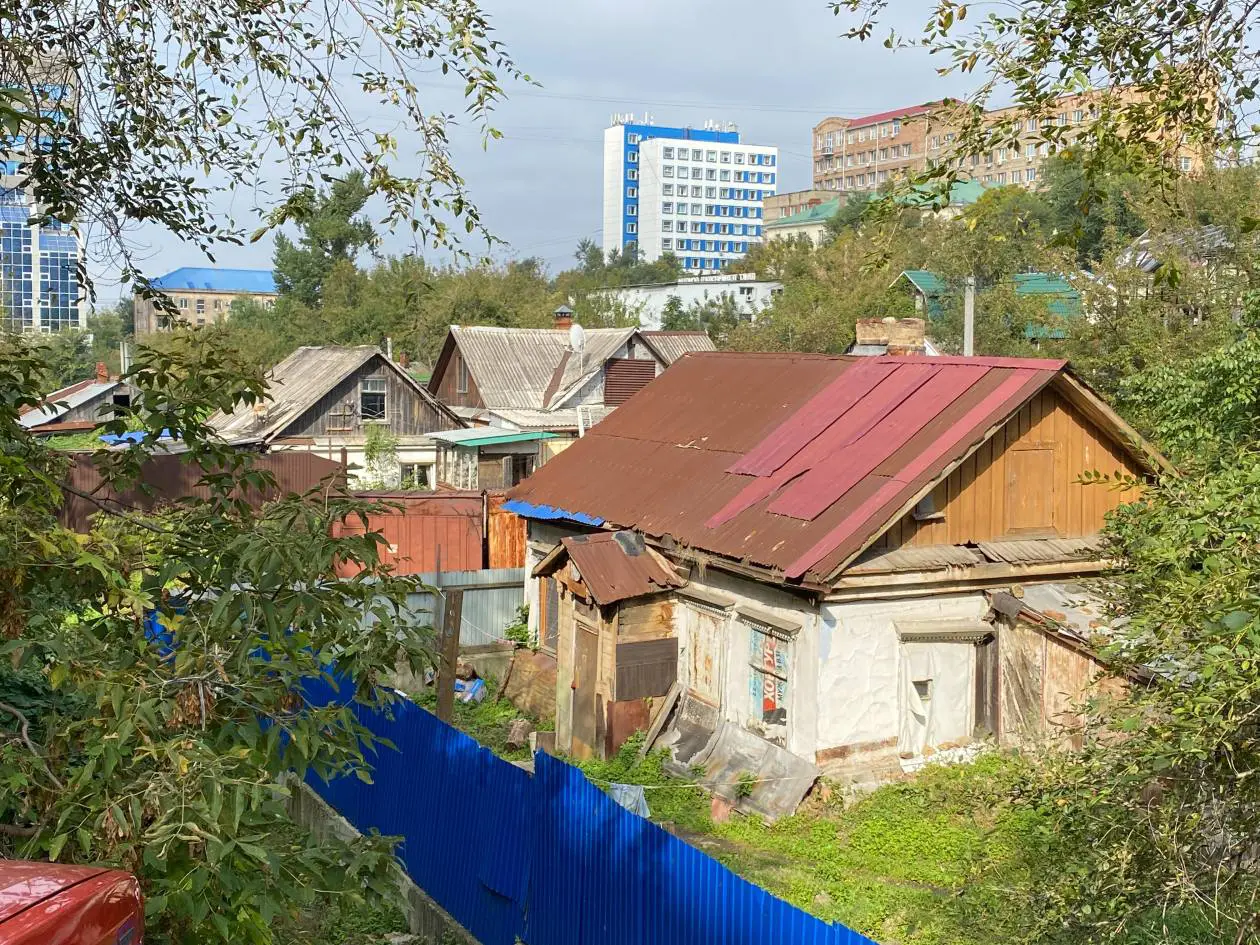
x,y
159,749
149,109
1162,78
518,630
1166,813
380,458
487,721
333,232
717,317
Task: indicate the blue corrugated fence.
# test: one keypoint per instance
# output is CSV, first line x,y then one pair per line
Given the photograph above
x,y
548,859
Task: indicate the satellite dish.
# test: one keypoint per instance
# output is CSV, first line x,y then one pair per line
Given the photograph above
x,y
577,337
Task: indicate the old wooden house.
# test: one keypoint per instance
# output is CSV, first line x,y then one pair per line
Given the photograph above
x,y
348,403
849,563
560,380
79,407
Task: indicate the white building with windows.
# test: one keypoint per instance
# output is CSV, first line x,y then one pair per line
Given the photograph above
x,y
750,295
693,192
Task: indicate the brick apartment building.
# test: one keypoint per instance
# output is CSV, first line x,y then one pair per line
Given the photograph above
x,y
860,154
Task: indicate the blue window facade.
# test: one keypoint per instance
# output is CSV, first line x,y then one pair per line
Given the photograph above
x,y
39,270
58,279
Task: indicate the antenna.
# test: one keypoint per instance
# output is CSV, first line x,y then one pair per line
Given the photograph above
x,y
577,342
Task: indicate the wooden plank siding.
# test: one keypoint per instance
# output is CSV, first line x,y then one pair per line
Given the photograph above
x,y
1022,483
338,413
446,389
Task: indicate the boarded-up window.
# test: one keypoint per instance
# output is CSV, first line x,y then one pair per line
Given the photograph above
x,y
461,375
646,668
625,377
550,616
769,657
1029,492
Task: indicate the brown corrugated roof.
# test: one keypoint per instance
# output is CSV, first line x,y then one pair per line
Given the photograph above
x,y
614,566
793,462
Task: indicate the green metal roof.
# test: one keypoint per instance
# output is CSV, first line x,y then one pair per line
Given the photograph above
x,y
489,436
929,283
819,213
1066,301
1062,300
962,193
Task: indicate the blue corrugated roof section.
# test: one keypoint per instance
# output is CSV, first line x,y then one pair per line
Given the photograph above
x,y
209,279
548,512
548,859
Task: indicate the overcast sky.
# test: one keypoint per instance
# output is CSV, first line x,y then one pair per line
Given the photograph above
x,y
774,69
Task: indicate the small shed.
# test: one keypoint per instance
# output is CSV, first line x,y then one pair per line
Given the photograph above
x,y
487,457
608,599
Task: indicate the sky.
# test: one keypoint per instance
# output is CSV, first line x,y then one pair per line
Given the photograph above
x,y
773,69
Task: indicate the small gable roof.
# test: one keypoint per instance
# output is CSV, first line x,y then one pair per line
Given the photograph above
x,y
669,346
298,382
790,462
614,566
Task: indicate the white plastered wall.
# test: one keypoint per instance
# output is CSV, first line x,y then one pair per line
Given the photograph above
x,y
859,664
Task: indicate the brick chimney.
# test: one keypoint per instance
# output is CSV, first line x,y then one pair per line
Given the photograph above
x,y
564,317
102,372
899,336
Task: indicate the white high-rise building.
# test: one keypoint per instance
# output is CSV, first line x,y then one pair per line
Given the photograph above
x,y
693,192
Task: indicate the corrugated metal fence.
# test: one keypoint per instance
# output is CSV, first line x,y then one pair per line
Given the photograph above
x,y
491,599
549,859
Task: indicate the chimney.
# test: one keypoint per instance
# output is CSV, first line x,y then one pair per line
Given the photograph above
x,y
872,331
905,336
564,317
102,372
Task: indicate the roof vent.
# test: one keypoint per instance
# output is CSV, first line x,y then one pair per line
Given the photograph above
x,y
563,316
631,543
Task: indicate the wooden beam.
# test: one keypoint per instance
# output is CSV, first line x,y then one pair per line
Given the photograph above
x,y
979,577
452,615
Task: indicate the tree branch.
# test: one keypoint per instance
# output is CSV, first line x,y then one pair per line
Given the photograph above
x,y
25,735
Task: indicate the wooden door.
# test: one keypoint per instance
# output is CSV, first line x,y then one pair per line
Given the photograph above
x,y
1030,492
704,653
585,676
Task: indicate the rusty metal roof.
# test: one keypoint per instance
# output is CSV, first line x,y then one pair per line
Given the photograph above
x,y
793,462
613,565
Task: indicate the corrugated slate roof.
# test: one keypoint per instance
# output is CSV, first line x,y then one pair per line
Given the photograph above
x,y
210,279
532,368
793,462
60,402
669,346
296,383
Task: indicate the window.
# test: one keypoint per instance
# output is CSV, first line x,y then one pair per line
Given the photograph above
x,y
711,157
724,193
682,210
696,190
632,211
1062,118
667,226
201,306
739,157
667,207
414,476
667,170
632,191
848,181
1078,116
769,660
632,228
850,137
695,209
372,397
726,157
667,153
1002,178
1034,124
632,157
697,173
667,243
632,174
883,131
183,303
1032,174
1017,177
883,154
710,192
710,174
697,154
633,138
724,174
1184,163
667,190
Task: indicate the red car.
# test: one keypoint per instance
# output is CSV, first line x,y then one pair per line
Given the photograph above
x,y
51,904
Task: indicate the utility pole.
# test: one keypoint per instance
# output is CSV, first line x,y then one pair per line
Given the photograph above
x,y
969,317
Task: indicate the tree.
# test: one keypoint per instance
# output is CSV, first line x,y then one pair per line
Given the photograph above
x,y
1093,217
160,743
333,234
149,109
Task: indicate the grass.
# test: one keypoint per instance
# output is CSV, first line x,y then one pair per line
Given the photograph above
x,y
487,721
338,921
944,859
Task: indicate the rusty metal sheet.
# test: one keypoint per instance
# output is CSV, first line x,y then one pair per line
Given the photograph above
x,y
617,566
660,463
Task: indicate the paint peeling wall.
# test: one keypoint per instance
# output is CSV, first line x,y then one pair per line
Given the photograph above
x,y
859,660
735,673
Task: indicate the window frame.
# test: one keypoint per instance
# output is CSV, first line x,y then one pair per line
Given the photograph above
x,y
383,394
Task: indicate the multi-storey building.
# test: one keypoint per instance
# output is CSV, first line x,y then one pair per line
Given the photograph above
x,y
860,154
792,202
40,259
204,295
693,192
